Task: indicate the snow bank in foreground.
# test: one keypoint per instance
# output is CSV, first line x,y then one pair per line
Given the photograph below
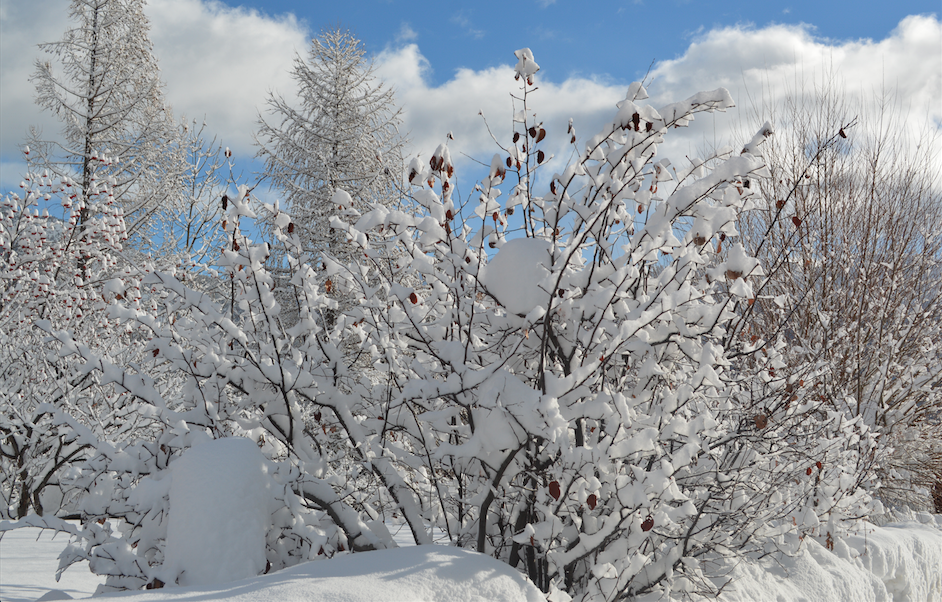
x,y
221,502
423,573
899,562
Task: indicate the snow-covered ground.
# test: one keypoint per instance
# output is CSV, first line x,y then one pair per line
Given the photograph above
x,y
900,562
221,491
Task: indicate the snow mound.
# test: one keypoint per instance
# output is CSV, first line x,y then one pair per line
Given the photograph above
x,y
896,563
518,276
420,573
221,501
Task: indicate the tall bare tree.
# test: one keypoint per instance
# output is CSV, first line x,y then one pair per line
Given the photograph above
x,y
102,81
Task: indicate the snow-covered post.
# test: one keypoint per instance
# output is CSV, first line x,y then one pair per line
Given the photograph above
x,y
221,502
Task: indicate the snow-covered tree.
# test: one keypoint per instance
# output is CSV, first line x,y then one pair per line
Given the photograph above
x,y
850,229
584,402
51,275
187,234
102,81
341,134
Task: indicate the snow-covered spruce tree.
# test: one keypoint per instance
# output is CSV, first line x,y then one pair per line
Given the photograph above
x,y
579,404
850,227
103,83
343,134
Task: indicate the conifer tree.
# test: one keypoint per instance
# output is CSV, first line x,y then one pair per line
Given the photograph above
x,y
344,135
103,84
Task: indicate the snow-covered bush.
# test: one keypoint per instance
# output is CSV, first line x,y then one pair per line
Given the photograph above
x,y
850,231
585,401
61,272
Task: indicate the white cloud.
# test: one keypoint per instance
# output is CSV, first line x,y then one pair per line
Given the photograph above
x,y
406,33
761,67
221,62
758,66
461,105
20,31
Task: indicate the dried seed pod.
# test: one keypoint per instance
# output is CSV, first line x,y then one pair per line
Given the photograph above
x,y
761,421
413,298
516,137
540,135
733,274
555,490
648,523
540,156
532,131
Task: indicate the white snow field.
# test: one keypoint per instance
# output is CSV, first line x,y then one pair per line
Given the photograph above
x,y
221,491
900,562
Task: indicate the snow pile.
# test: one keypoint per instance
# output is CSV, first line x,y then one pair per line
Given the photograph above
x,y
518,275
221,501
420,573
900,562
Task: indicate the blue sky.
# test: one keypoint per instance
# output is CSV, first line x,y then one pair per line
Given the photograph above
x,y
602,38
448,61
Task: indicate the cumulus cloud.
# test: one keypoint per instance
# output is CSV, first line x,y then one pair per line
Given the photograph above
x,y
463,103
760,67
220,63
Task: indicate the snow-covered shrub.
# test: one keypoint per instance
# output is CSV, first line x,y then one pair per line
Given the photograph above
x,y
850,231
61,272
585,402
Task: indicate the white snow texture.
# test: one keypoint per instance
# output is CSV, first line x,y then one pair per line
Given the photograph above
x,y
220,507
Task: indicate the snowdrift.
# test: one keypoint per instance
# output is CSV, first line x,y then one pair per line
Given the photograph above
x,y
900,562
